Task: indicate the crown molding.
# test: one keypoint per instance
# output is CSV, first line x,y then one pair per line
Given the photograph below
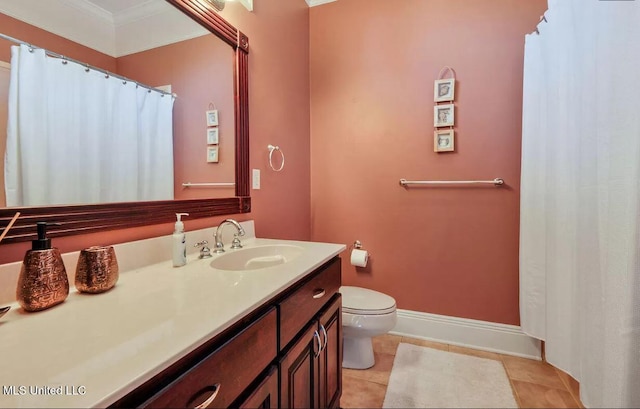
x,y
129,31
89,9
313,3
77,20
139,12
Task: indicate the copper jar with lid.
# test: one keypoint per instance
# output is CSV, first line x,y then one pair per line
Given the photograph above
x,y
97,270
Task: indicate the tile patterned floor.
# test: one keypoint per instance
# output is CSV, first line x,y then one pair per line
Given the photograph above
x,y
535,384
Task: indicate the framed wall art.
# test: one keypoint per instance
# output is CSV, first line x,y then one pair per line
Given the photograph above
x,y
212,136
443,140
212,117
443,115
444,90
212,154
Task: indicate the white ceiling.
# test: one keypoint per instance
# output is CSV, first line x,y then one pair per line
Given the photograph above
x,y
116,6
113,27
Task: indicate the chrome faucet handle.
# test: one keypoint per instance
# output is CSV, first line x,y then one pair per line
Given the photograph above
x,y
205,252
236,244
218,247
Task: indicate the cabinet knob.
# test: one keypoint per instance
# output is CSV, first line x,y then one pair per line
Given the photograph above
x,y
319,293
211,398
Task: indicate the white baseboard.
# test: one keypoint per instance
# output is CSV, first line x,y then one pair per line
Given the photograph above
x,y
487,336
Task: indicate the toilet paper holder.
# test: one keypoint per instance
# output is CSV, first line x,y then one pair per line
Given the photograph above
x,y
357,245
359,256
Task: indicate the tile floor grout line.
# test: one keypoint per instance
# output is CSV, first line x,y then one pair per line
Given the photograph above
x,y
568,387
516,395
532,381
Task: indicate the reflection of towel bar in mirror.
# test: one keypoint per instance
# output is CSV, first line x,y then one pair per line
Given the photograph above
x,y
496,182
220,184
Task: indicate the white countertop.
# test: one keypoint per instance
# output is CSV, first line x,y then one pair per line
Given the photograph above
x,y
94,349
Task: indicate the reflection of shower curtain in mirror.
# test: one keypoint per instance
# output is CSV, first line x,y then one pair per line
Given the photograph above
x,y
5,71
77,137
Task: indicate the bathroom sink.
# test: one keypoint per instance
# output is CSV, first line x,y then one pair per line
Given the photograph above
x,y
255,258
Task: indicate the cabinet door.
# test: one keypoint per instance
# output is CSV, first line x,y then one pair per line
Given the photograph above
x,y
265,396
299,371
330,365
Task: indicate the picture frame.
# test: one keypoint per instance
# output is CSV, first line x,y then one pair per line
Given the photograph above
x,y
212,154
212,117
444,140
443,115
212,136
444,90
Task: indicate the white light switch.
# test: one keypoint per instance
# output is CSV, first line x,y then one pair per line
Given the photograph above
x,y
256,179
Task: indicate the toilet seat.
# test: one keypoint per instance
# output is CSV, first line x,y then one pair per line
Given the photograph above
x,y
362,301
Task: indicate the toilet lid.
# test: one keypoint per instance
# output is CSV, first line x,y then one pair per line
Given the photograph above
x,y
357,300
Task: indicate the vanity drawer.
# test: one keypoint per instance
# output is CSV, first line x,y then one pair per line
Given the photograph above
x,y
233,367
299,308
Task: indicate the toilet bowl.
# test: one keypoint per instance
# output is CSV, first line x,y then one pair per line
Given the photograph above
x,y
365,314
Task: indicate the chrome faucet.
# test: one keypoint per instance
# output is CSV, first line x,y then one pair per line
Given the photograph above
x,y
219,246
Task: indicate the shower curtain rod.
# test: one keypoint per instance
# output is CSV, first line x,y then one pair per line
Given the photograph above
x,y
542,18
89,67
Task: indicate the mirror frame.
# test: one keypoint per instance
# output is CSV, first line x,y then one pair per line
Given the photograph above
x,y
83,219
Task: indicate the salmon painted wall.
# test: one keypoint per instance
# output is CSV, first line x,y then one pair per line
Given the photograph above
x,y
278,32
278,113
443,250
200,72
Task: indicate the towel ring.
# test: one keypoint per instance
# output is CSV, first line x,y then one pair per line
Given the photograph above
x,y
271,149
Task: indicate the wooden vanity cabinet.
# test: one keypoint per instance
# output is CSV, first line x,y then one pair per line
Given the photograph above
x,y
330,368
311,369
266,394
218,380
286,353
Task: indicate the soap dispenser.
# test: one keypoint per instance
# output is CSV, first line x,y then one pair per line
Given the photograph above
x,y
179,242
43,280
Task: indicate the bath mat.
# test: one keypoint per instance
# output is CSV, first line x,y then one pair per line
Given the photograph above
x,y
428,378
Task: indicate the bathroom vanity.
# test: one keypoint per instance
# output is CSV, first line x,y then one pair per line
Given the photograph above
x,y
266,335
295,337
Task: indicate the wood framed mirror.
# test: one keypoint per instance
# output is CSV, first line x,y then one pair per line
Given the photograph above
x,y
81,219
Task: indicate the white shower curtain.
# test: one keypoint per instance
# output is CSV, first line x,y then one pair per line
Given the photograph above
x,y
580,185
75,136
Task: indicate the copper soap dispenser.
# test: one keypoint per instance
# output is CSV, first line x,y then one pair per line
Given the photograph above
x,y
43,280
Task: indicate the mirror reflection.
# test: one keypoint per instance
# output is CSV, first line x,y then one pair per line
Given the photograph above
x,y
153,44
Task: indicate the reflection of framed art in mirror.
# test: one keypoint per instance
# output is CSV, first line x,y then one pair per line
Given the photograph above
x,y
212,136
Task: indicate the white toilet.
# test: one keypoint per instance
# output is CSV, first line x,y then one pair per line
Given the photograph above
x,y
365,314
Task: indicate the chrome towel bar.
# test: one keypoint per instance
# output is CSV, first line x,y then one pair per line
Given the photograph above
x,y
496,182
221,184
